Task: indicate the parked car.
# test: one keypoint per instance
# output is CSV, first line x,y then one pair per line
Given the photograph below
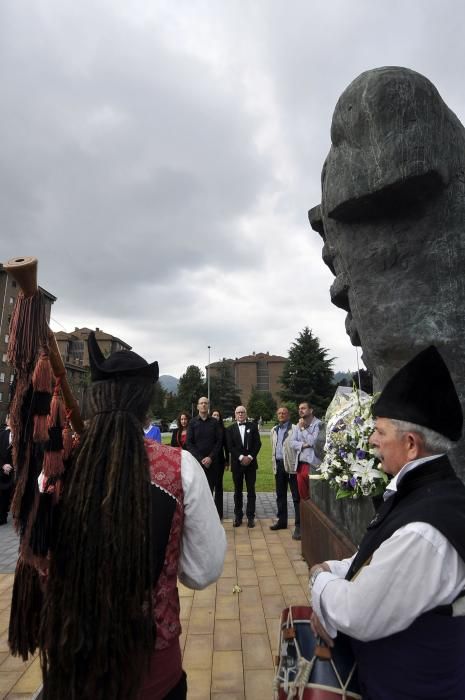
x,y
173,425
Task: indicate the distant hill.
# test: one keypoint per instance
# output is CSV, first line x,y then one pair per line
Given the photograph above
x,y
169,383
339,376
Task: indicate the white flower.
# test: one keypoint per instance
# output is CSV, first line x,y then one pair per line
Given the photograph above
x,y
349,465
365,471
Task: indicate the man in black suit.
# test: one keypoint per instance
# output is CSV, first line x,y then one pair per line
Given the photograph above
x,y
6,472
244,445
205,440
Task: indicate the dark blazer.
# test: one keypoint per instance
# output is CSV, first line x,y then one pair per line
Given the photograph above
x,y
176,439
204,438
6,457
252,444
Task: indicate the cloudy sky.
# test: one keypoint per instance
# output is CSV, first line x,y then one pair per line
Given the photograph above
x,y
160,157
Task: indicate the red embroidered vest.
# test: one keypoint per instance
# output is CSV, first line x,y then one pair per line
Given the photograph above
x,y
165,473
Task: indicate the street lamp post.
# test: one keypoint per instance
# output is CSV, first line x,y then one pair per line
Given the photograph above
x,y
208,378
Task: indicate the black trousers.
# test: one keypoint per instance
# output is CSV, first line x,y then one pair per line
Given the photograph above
x,y
5,499
211,474
179,692
219,489
250,476
282,479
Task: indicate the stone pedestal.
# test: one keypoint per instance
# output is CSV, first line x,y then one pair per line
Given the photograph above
x,y
330,528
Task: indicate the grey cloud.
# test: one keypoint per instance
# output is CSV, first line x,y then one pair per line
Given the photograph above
x,y
160,158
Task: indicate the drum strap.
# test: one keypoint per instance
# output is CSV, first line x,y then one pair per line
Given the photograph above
x,y
365,563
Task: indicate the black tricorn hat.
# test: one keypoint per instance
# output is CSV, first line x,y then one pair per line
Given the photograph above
x,y
123,363
423,392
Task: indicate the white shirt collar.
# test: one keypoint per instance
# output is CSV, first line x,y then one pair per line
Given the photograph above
x,y
392,486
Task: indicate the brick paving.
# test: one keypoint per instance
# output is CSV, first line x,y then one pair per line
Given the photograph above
x,y
229,639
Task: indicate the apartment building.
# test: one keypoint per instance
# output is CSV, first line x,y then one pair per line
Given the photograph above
x,y
8,293
260,370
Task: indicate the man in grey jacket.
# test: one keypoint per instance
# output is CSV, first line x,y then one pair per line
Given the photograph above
x,y
283,470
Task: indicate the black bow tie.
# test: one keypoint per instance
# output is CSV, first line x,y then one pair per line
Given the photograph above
x,y
241,423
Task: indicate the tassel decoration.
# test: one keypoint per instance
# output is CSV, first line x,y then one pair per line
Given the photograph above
x,y
67,436
42,376
57,415
53,456
42,527
40,409
26,606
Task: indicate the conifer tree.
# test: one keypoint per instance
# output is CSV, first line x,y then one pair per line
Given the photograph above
x,y
308,374
190,388
224,394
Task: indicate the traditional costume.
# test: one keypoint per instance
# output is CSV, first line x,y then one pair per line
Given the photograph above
x,y
400,598
134,515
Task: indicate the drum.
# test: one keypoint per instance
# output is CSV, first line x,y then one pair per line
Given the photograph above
x,y
308,670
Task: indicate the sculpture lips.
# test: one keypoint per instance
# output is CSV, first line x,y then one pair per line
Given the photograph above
x,y
352,330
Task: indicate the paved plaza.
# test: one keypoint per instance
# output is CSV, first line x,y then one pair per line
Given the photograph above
x,y
229,638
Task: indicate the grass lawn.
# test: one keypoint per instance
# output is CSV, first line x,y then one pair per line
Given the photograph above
x,y
265,476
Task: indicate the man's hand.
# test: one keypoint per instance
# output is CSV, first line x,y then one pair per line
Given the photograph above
x,y
7,468
319,631
206,462
246,460
322,565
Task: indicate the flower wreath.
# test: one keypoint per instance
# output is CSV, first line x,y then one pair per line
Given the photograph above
x,y
349,465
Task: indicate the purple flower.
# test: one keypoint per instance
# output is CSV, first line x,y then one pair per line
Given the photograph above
x,y
353,482
360,454
342,453
358,420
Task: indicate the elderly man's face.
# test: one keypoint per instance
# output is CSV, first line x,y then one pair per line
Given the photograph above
x,y
240,414
390,445
283,415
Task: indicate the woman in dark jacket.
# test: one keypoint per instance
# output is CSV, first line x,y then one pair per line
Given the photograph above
x,y
179,434
223,463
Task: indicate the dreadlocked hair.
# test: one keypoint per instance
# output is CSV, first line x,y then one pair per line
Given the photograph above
x,y
97,631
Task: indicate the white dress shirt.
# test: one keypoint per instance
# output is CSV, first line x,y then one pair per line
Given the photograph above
x,y
413,571
203,545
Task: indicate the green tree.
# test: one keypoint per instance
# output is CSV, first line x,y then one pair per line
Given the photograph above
x,y
308,373
172,409
190,388
158,404
261,404
223,391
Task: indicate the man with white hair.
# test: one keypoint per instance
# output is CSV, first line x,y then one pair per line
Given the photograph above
x,y
400,599
244,445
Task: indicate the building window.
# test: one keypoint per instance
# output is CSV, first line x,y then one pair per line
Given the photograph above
x,y
7,338
1,396
12,376
11,300
13,283
263,377
2,376
4,357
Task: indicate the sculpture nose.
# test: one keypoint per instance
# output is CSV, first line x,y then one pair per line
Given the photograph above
x,y
339,291
316,220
